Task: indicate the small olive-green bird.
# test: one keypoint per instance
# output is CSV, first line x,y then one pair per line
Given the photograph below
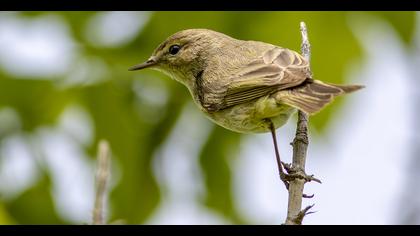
x,y
244,86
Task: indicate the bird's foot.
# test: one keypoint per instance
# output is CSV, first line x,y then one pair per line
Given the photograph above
x,y
293,173
285,178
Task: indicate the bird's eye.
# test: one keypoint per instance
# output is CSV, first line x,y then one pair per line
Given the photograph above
x,y
174,49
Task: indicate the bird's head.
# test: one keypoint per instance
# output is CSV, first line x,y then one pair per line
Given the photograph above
x,y
184,53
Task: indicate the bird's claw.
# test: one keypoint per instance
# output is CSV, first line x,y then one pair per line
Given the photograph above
x,y
293,173
308,196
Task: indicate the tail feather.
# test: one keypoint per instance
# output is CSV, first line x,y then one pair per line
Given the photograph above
x,y
350,88
314,95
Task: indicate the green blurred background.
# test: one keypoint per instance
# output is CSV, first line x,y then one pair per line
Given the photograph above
x,y
136,112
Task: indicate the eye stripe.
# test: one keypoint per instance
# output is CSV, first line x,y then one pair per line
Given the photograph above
x,y
162,46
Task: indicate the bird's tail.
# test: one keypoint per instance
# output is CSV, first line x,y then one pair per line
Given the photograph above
x,y
313,95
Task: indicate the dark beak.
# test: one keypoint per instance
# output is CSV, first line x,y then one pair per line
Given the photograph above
x,y
143,65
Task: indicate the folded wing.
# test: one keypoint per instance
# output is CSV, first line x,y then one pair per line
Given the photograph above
x,y
277,69
283,74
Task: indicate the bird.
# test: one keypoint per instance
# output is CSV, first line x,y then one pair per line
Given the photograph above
x,y
242,85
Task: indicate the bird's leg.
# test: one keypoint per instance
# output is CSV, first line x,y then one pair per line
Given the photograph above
x,y
283,176
292,172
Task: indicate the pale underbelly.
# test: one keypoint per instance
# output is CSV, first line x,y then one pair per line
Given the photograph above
x,y
252,117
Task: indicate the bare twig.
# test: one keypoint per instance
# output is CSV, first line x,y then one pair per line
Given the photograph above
x,y
300,145
102,175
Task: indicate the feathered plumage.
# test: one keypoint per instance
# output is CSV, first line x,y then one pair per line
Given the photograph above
x,y
239,84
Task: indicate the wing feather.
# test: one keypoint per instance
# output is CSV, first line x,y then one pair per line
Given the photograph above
x,y
277,69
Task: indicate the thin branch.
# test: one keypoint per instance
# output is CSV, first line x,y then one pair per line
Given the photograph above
x,y
102,176
300,145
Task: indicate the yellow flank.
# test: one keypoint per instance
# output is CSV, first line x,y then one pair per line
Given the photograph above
x,y
251,117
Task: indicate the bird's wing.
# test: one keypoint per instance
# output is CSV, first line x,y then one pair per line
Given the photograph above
x,y
277,69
